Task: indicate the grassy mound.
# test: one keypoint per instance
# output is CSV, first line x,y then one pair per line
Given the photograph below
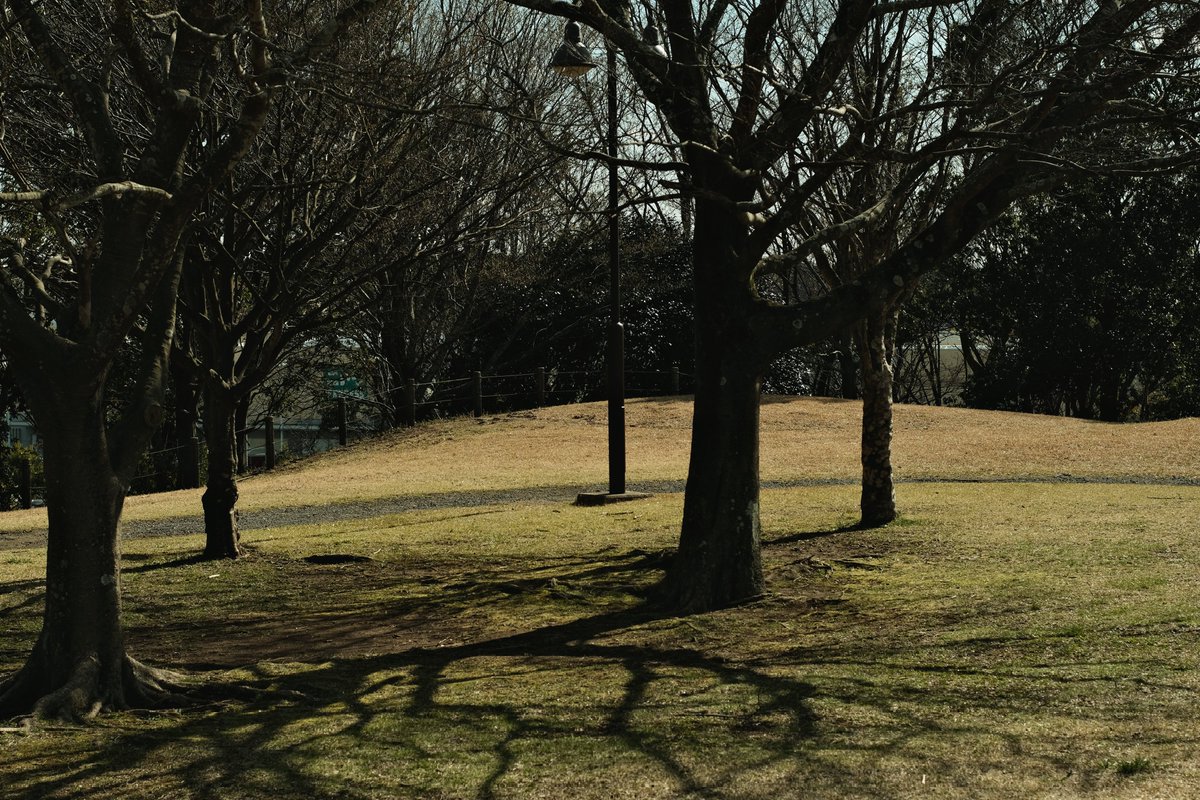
x,y
1003,639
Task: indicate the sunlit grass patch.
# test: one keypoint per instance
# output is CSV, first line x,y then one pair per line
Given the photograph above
x,y
1001,640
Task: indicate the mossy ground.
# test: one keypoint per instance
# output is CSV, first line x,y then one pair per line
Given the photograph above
x,y
998,641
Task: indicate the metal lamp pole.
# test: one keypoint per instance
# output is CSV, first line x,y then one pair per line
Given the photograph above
x,y
573,60
616,330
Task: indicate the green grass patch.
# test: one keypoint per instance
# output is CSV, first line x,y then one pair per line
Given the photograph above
x,y
1000,641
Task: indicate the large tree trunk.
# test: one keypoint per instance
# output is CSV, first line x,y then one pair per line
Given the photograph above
x,y
221,491
718,562
79,666
875,338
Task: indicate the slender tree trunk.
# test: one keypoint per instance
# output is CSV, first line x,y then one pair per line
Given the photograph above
x,y
398,314
685,209
221,491
718,562
186,388
849,367
1110,405
875,339
935,368
241,412
187,398
79,666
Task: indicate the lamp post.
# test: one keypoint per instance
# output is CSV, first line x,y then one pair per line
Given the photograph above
x,y
572,59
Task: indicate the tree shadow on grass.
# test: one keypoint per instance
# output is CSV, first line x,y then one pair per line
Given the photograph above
x,y
448,723
597,681
262,748
616,694
30,601
182,561
808,536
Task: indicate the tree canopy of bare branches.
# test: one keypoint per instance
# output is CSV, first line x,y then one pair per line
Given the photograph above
x,y
118,123
813,127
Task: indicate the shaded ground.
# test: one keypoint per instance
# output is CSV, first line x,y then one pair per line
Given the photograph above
x,y
438,614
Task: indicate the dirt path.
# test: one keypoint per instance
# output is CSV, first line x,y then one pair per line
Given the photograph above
x,y
316,514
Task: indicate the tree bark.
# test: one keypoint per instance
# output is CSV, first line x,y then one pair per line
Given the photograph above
x,y
848,367
221,492
79,665
875,339
718,562
241,413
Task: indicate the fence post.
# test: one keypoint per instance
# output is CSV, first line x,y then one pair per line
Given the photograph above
x,y
343,433
269,455
675,380
477,391
539,383
409,412
24,483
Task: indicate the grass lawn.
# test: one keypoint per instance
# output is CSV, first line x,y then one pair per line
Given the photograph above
x,y
1001,640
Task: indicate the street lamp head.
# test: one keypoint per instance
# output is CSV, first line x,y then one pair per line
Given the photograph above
x,y
572,58
653,38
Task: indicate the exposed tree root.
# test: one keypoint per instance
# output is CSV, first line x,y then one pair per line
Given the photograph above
x,y
685,597
149,687
89,691
877,519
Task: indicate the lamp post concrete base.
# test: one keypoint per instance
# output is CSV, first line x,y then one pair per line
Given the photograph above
x,y
605,498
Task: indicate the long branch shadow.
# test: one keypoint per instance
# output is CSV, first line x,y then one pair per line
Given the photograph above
x,y
416,709
412,706
154,566
9,587
339,694
32,600
808,536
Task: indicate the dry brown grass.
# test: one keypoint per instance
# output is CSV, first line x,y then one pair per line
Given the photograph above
x,y
1001,640
802,439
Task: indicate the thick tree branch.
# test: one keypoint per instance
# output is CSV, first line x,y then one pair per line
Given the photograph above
x,y
47,200
89,100
780,130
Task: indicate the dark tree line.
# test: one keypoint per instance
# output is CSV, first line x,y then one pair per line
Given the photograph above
x,y
1085,302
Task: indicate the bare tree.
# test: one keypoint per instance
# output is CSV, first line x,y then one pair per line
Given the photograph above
x,y
118,123
745,88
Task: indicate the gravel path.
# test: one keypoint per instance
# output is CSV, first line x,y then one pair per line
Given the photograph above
x,y
314,514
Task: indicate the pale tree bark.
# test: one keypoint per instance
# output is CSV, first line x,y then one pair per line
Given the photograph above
x,y
875,340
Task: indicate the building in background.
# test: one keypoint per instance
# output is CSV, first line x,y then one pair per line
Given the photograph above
x,y
21,431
